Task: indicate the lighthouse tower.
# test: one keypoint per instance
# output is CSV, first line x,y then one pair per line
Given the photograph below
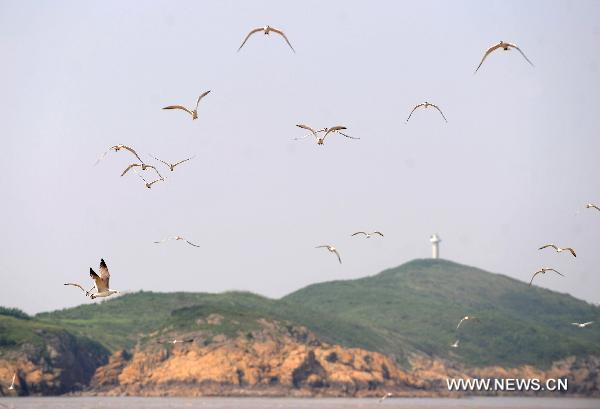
x,y
435,246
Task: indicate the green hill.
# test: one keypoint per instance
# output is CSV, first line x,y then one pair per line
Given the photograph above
x,y
141,316
411,308
420,303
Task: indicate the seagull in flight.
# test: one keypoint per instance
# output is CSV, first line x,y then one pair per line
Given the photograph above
x,y
12,384
101,281
455,345
267,30
176,238
367,235
505,47
149,184
117,148
177,341
585,324
141,165
559,249
171,166
193,113
384,397
467,318
426,105
592,206
332,250
321,140
543,271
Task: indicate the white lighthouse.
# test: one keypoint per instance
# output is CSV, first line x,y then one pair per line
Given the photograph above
x,y
435,246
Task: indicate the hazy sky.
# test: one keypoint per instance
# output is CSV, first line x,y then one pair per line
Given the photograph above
x,y
511,170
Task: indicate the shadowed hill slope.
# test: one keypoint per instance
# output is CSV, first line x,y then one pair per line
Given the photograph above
x,y
420,303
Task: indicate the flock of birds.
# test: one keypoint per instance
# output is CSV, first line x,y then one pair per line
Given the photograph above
x,y
101,286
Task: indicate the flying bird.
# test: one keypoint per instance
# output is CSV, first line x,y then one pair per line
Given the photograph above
x,y
177,341
149,184
143,166
101,282
592,206
455,345
543,271
585,324
193,113
117,148
12,384
426,105
384,397
267,30
332,250
321,139
171,166
467,318
367,235
559,249
505,47
176,238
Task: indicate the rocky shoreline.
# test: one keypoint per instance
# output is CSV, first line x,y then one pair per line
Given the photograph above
x,y
271,362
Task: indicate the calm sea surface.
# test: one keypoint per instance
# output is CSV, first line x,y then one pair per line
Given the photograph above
x,y
268,403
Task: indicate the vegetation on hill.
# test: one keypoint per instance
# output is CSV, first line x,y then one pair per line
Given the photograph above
x,y
421,302
411,308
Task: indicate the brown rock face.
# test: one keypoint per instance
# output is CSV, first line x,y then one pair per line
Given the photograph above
x,y
283,360
63,364
275,360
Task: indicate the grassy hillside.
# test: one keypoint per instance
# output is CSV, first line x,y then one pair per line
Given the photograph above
x,y
414,307
421,302
122,322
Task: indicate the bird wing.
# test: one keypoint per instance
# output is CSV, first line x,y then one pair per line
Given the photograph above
x,y
132,151
308,128
548,245
413,110
359,232
551,269
256,30
588,323
488,52
534,274
100,158
348,136
331,130
156,170
575,323
323,246
205,93
104,273
160,160
571,250
281,33
338,256
440,111
181,161
157,180
191,244
179,107
522,53
378,232
100,286
76,285
129,167
13,379
461,321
